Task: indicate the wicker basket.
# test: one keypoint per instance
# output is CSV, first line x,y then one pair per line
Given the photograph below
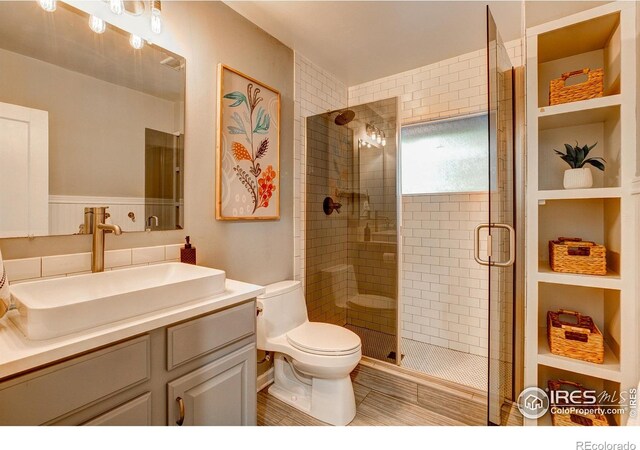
x,y
567,414
592,88
578,338
573,255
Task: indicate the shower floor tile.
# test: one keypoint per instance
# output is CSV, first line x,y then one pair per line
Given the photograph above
x,y
451,365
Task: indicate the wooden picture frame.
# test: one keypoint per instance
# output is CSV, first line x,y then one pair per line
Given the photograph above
x,y
248,148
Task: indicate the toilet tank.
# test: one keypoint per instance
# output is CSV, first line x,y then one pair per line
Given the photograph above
x,y
283,308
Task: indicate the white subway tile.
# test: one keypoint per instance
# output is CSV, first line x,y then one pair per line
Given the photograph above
x,y
117,258
451,77
23,269
172,251
148,254
65,264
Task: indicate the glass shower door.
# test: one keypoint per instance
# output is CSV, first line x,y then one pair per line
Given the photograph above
x,y
351,223
500,244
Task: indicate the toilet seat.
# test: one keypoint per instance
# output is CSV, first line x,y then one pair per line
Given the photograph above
x,y
323,339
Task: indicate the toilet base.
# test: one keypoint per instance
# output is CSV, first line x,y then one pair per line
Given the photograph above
x,y
329,400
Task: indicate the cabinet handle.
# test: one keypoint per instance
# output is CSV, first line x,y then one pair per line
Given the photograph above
x,y
180,421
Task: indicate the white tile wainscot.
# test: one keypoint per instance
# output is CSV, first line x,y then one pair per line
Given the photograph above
x,y
148,254
31,269
23,269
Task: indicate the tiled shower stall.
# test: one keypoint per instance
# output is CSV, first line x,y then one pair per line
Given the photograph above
x,y
443,302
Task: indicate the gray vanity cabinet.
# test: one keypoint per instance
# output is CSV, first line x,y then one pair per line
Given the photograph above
x,y
209,362
136,412
219,393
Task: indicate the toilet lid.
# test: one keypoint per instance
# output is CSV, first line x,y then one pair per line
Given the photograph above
x,y
323,339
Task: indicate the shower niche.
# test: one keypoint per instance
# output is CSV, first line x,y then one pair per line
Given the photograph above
x,y
351,255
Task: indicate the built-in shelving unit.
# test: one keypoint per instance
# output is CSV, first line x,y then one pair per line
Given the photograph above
x,y
599,37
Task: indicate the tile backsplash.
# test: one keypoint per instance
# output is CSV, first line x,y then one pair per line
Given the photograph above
x,y
31,269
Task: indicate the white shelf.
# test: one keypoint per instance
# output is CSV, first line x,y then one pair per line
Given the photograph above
x,y
595,107
609,370
578,194
609,281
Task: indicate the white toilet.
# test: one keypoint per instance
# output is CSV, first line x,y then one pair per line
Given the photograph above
x,y
312,360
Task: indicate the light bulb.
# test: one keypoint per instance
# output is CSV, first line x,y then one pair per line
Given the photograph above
x,y
379,139
136,42
97,24
47,5
373,135
117,6
156,19
368,145
384,142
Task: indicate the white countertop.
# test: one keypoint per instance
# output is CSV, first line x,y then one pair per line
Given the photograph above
x,y
18,354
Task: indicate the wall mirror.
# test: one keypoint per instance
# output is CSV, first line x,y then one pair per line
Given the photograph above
x,y
86,119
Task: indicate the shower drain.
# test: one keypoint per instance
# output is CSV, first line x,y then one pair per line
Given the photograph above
x,y
392,355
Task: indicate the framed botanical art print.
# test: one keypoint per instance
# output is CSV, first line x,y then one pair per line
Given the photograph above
x,y
248,148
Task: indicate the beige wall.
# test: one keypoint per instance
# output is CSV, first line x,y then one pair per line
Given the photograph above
x,y
207,33
96,128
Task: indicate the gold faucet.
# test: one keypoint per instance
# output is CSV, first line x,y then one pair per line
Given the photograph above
x,y
94,220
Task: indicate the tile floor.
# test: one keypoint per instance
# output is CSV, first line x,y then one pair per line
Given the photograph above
x,y
451,365
384,398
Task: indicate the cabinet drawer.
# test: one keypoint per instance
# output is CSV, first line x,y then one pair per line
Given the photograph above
x,y
198,337
49,393
136,412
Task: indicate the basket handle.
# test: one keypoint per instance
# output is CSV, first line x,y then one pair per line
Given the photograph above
x,y
575,329
569,239
573,73
570,313
570,383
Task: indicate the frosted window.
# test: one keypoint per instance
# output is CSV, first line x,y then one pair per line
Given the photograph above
x,y
445,156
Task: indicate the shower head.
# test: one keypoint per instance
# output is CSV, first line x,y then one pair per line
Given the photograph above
x,y
344,117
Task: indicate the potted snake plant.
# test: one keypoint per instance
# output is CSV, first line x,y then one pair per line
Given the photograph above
x,y
579,175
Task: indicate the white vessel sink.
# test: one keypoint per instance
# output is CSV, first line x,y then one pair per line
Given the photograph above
x,y
51,308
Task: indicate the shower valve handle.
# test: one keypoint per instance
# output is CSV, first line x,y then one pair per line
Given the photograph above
x,y
329,206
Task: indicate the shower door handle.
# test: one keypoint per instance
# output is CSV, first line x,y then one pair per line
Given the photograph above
x,y
476,245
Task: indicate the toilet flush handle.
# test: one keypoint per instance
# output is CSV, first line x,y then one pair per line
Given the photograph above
x,y
258,309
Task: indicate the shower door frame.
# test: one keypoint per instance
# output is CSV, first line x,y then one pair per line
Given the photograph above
x,y
516,248
399,233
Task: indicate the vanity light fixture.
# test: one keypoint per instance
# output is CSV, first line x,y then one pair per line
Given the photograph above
x,y
376,135
116,6
136,41
156,16
47,5
97,24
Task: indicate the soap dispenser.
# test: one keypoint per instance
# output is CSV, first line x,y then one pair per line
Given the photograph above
x,y
367,233
188,252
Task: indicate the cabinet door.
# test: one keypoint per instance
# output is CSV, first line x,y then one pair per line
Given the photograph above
x,y
221,393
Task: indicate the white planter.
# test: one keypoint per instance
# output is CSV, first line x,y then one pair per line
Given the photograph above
x,y
578,178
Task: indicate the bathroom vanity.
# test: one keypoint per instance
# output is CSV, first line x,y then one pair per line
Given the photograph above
x,y
192,364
